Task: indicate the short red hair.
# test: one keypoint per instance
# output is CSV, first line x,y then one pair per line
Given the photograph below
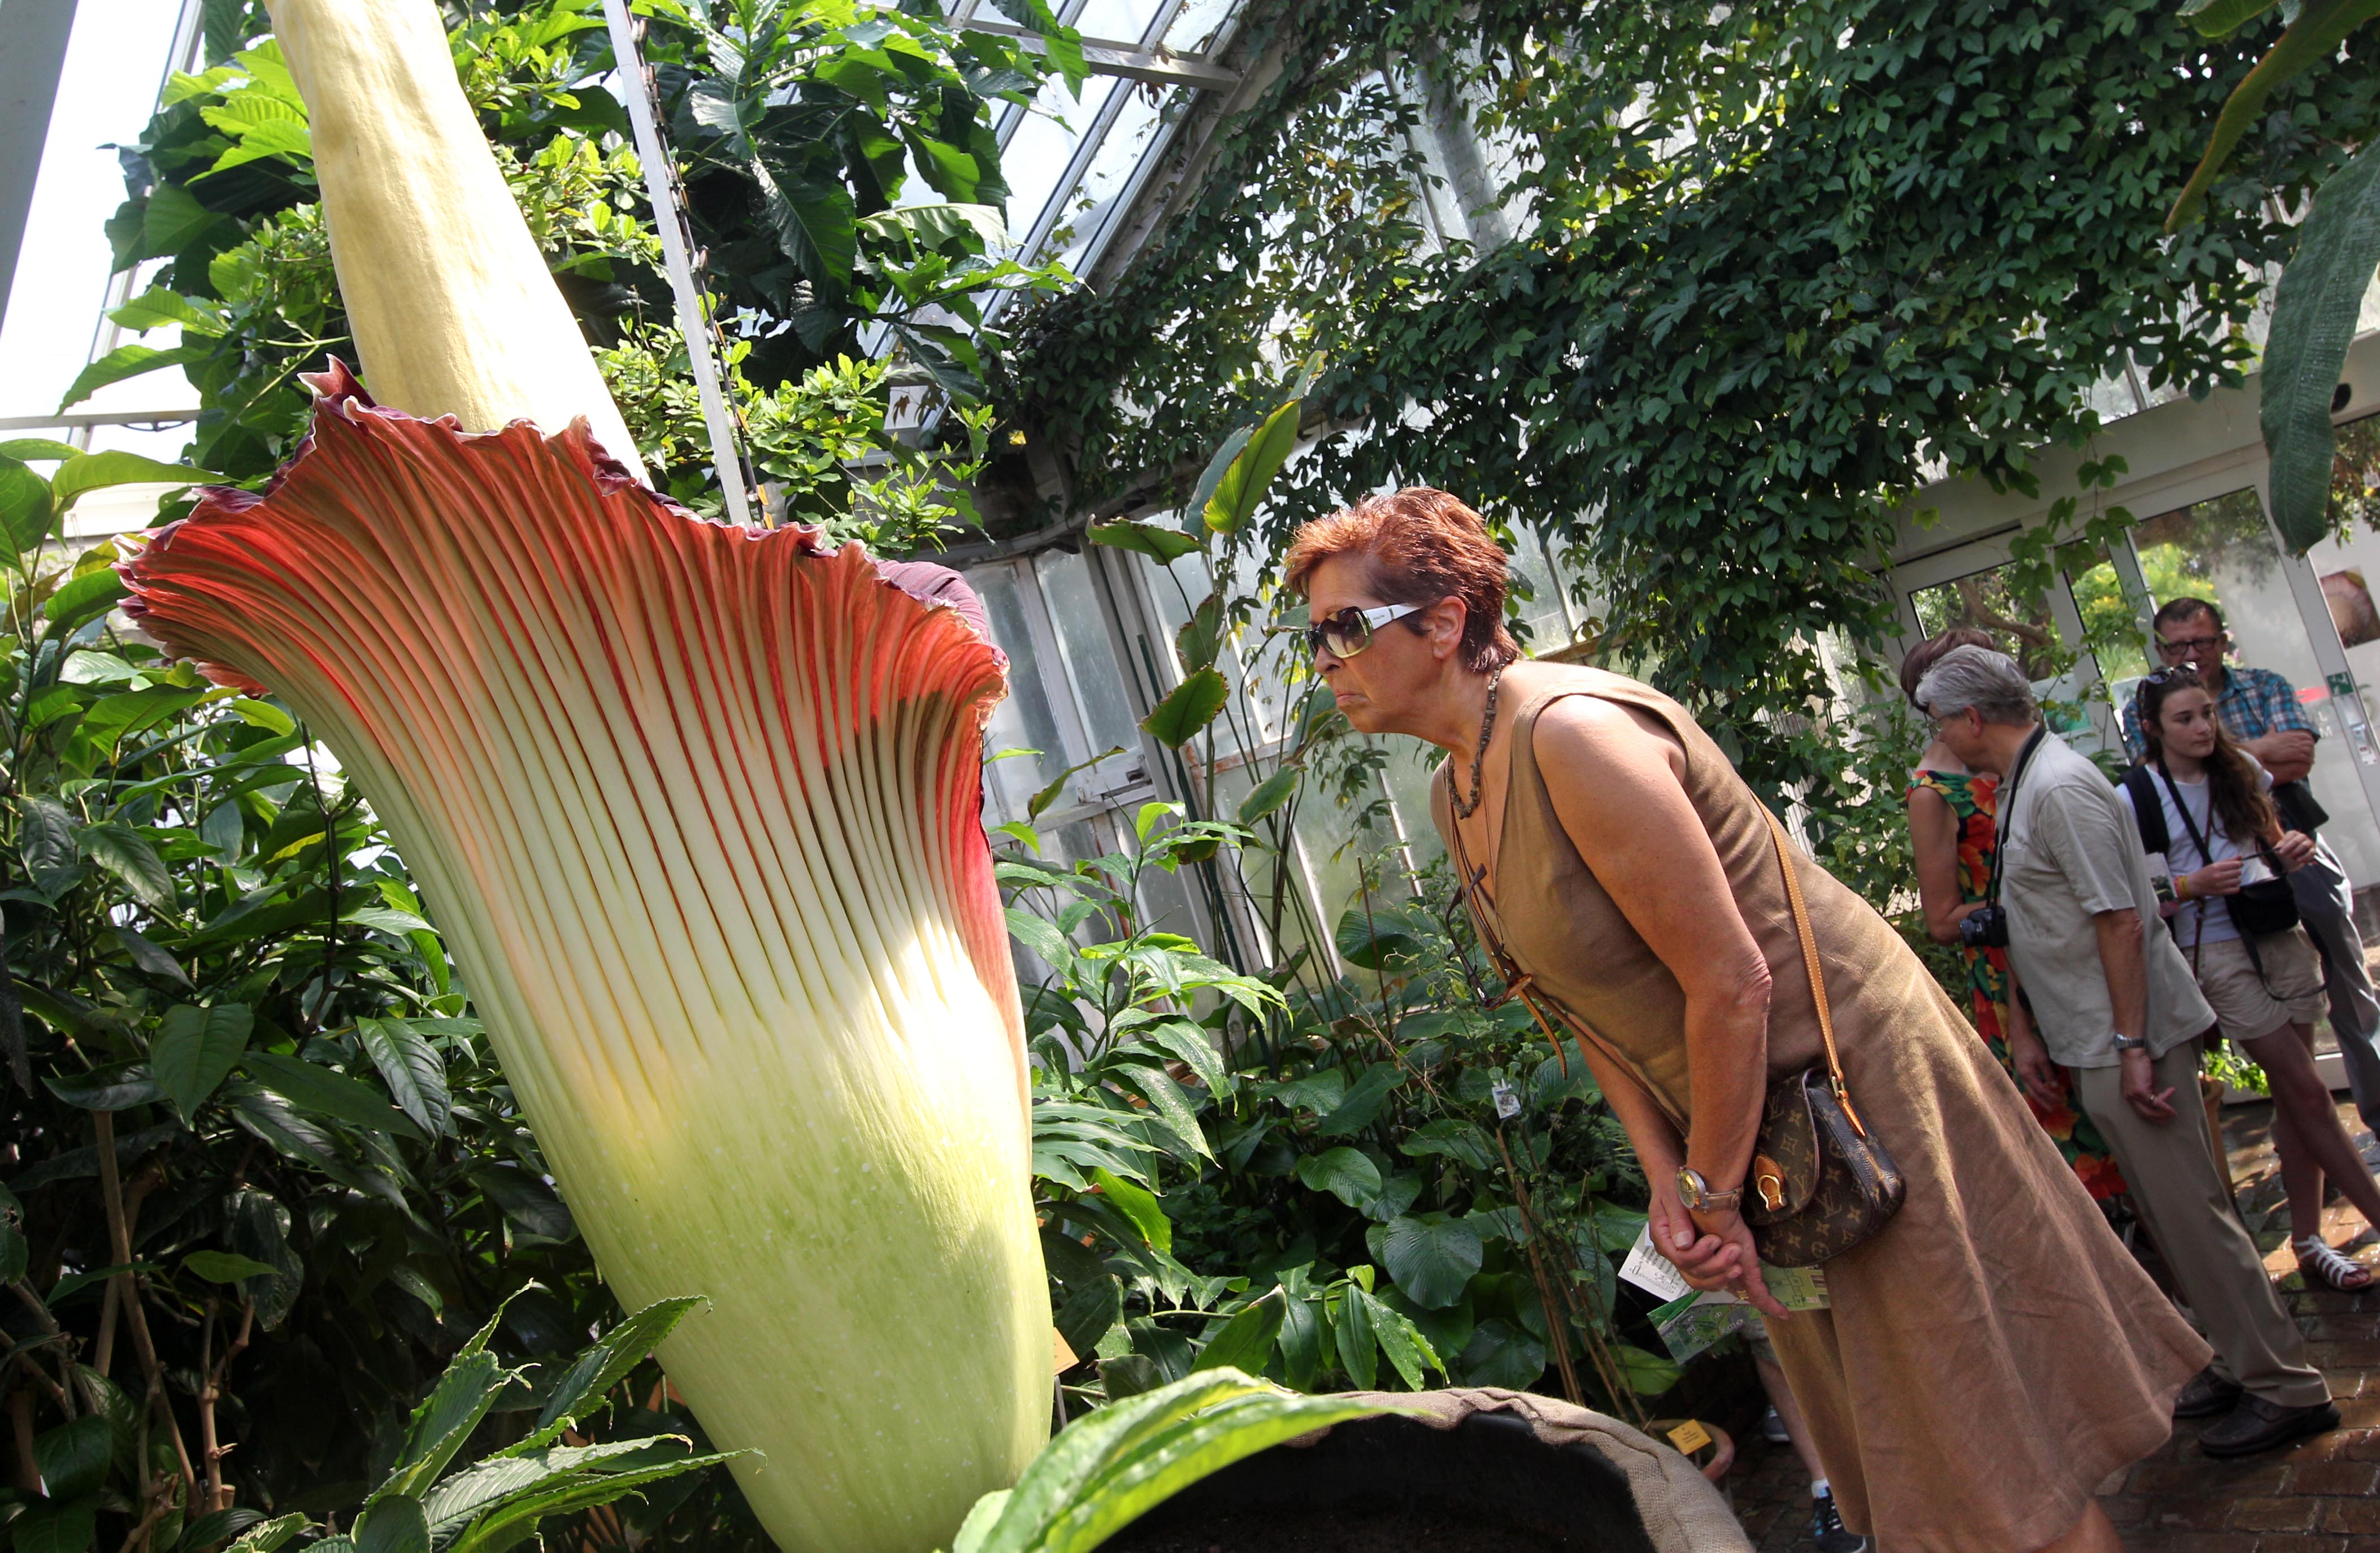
x,y
1421,545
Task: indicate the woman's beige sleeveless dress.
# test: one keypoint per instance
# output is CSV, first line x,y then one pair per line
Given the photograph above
x,y
1995,1352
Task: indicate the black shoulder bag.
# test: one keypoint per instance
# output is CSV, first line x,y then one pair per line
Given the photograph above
x,y
2260,909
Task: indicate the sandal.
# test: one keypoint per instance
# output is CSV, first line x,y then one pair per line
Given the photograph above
x,y
2324,1265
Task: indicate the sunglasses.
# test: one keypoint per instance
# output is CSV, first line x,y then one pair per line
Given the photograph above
x,y
1349,631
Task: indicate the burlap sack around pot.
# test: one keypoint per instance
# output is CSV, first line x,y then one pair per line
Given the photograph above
x,y
1682,1511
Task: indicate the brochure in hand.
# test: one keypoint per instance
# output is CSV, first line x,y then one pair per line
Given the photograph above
x,y
1691,1319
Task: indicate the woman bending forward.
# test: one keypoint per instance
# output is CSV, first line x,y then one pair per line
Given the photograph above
x,y
1993,1354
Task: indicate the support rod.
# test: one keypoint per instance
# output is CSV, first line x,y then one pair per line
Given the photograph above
x,y
678,250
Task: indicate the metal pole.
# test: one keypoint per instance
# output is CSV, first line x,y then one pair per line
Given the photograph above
x,y
678,250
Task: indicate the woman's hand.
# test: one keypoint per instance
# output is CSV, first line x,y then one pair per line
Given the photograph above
x,y
2034,1069
1714,1251
2295,849
2215,879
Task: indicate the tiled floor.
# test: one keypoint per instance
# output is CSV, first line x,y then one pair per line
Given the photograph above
x,y
2320,1497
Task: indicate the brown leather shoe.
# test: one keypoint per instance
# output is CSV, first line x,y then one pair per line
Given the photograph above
x,y
2256,1425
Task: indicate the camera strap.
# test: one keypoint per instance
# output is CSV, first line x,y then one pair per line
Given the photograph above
x,y
2004,809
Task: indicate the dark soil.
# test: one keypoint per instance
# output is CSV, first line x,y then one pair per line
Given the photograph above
x,y
1345,1530
1395,1486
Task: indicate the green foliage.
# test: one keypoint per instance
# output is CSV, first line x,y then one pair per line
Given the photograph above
x,y
1107,1471
799,123
1772,267
2316,311
2313,37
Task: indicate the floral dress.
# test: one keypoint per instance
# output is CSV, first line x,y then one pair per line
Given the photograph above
x,y
1975,800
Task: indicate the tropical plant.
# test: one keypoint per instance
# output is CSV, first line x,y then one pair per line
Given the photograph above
x,y
1108,1470
497,1502
697,808
223,189
2318,303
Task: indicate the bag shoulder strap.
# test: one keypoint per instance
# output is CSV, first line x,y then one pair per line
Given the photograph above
x,y
2148,809
1810,963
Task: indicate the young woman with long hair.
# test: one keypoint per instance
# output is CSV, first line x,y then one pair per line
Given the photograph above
x,y
2222,835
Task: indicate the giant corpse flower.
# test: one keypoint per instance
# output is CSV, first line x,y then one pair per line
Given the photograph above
x,y
697,809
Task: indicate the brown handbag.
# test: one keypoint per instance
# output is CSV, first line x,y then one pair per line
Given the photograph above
x,y
1820,1182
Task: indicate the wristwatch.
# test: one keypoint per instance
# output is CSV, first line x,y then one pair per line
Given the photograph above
x,y
2130,1043
1696,1193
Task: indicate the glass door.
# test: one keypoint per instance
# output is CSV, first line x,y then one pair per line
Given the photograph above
x,y
1975,586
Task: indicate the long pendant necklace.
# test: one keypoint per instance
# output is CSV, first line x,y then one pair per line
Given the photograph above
x,y
1464,810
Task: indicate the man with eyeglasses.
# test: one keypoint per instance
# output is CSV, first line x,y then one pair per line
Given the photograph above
x,y
2261,711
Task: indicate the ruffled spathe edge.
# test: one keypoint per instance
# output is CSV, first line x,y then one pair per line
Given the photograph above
x,y
339,395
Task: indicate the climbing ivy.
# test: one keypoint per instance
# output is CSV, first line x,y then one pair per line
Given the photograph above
x,y
1771,268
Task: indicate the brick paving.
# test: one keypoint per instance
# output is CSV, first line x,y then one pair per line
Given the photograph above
x,y
2320,1496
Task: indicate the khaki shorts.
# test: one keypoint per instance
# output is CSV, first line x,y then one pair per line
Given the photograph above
x,y
2249,1006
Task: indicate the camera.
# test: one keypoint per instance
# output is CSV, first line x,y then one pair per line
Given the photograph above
x,y
1984,928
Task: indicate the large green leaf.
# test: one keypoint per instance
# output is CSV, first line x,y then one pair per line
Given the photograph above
x,y
443,1421
2321,25
110,1086
310,1086
197,1049
1240,489
96,471
1187,708
1362,1102
270,1535
1400,1339
224,1266
1166,1098
1113,1466
1431,1255
73,1457
83,597
56,1526
45,839
976,227
515,1521
1270,793
25,509
129,361
1344,1174
1163,546
1246,1342
415,1074
2213,19
1138,1206
395,1525
602,1366
2315,310
1454,1138
127,854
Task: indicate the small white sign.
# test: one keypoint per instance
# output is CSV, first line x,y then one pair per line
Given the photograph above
x,y
1508,1099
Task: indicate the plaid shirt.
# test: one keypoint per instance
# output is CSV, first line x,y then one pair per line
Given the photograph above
x,y
2254,702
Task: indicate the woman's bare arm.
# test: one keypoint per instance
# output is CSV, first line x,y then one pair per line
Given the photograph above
x,y
1934,834
1616,779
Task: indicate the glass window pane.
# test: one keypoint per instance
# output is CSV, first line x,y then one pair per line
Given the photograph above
x,y
1024,719
1038,152
1081,626
1112,167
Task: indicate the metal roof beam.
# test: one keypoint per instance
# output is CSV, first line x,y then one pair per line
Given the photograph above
x,y
1134,62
